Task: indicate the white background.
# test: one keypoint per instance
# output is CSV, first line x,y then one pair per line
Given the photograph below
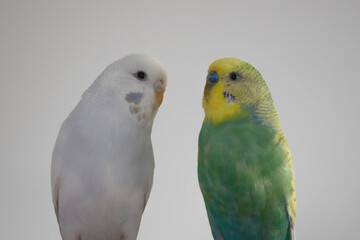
x,y
307,51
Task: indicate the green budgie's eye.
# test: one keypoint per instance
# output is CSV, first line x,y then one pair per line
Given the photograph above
x,y
234,76
141,75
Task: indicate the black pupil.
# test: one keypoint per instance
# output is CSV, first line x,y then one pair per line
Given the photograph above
x,y
233,76
140,75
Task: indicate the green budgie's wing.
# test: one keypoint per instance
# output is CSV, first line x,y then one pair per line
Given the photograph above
x,y
291,202
245,181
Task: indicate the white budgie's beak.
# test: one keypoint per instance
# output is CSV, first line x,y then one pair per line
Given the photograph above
x,y
159,88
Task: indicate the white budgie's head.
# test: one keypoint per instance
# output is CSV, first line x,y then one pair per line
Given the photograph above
x,y
136,81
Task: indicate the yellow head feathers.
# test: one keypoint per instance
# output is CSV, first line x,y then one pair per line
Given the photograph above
x,y
231,84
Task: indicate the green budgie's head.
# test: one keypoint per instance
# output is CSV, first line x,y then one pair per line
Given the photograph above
x,y
232,84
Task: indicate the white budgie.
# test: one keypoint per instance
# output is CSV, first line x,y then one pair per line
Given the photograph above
x,y
103,164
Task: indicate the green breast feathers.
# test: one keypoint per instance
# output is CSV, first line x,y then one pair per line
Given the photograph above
x,y
245,180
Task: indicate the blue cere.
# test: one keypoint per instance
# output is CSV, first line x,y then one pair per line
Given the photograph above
x,y
212,78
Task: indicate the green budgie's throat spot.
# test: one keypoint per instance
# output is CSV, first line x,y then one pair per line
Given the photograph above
x,y
229,97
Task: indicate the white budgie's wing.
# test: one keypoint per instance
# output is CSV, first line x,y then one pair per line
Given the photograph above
x,y
56,199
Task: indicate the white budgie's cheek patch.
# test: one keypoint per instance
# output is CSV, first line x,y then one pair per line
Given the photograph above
x,y
134,98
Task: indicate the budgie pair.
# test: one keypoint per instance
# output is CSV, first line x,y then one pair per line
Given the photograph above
x,y
103,163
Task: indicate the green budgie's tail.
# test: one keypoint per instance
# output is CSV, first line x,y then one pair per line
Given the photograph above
x,y
290,232
288,235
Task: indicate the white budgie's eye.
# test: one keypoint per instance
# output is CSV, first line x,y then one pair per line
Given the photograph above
x,y
140,75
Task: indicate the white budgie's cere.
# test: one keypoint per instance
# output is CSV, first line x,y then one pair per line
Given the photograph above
x,y
103,163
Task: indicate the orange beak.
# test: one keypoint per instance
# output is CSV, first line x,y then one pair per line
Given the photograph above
x,y
159,88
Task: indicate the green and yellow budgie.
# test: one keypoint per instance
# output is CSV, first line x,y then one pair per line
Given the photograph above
x,y
244,163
